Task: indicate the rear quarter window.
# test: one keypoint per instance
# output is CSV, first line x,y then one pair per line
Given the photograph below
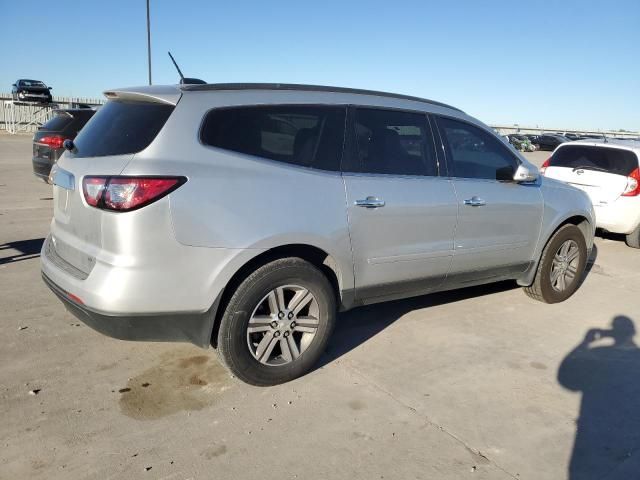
x,y
611,160
120,128
303,135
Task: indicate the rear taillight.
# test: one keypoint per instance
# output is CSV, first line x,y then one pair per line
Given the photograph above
x,y
123,194
93,187
53,141
633,184
544,166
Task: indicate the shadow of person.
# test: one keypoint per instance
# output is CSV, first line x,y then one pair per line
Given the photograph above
x,y
608,375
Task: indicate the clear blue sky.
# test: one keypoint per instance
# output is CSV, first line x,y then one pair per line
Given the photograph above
x,y
555,64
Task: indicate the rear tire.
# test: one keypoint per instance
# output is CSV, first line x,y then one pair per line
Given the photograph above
x,y
555,262
265,337
633,239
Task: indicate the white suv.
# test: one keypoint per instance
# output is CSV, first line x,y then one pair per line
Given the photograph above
x,y
610,174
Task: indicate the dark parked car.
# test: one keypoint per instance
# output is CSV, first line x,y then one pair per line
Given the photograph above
x,y
47,142
550,142
31,91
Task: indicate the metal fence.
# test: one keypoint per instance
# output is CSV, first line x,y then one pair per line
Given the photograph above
x,y
509,129
17,117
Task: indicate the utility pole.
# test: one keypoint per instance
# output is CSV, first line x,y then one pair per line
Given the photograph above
x,y
149,42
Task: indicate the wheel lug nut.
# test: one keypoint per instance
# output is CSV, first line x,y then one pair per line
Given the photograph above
x,y
286,334
293,325
290,315
277,334
281,315
274,324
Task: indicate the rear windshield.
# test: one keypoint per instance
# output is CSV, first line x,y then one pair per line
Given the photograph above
x,y
120,128
58,122
611,160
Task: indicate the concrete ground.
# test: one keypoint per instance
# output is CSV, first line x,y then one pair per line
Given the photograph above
x,y
456,385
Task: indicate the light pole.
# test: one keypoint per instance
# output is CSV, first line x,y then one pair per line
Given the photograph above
x,y
149,42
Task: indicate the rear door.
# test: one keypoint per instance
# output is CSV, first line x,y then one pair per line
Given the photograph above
x,y
499,220
599,171
104,147
402,214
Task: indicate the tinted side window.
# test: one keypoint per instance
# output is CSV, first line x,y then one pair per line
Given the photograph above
x,y
612,160
391,142
309,136
121,128
474,153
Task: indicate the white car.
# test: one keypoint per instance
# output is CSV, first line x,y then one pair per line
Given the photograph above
x,y
609,172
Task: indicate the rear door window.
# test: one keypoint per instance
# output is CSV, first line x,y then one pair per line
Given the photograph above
x,y
303,135
391,142
610,160
120,128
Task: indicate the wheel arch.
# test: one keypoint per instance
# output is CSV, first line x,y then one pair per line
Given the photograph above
x,y
318,257
580,221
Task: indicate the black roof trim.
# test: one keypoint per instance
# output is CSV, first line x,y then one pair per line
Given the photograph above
x,y
311,88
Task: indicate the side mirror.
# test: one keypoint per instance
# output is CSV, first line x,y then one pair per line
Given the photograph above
x,y
50,88
526,173
14,85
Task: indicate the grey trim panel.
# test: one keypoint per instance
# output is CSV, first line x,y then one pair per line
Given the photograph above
x,y
414,288
495,274
161,327
310,88
393,291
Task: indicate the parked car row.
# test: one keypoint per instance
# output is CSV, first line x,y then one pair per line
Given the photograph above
x,y
245,216
547,141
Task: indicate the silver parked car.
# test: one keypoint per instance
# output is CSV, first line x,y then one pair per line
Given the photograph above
x,y
244,216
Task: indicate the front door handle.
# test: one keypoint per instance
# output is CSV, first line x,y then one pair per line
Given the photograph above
x,y
475,202
370,202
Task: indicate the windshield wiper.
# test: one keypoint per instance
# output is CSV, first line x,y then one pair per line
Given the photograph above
x,y
590,167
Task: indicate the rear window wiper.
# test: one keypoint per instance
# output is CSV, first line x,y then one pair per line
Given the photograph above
x,y
590,167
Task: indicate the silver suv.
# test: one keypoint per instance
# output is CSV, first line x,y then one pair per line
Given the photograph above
x,y
244,216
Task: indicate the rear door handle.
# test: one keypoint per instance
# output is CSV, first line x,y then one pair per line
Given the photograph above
x,y
475,202
370,202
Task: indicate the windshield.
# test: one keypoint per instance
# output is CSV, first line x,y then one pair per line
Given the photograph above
x,y
31,83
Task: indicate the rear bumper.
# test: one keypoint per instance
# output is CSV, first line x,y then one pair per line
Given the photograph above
x,y
621,216
170,327
42,167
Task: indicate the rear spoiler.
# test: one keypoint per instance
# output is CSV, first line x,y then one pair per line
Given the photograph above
x,y
156,94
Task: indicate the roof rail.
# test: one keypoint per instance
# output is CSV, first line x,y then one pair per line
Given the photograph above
x,y
310,88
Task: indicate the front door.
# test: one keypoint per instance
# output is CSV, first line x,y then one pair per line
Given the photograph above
x,y
499,220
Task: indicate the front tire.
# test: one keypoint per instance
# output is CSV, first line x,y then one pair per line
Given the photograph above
x,y
561,266
633,239
277,323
